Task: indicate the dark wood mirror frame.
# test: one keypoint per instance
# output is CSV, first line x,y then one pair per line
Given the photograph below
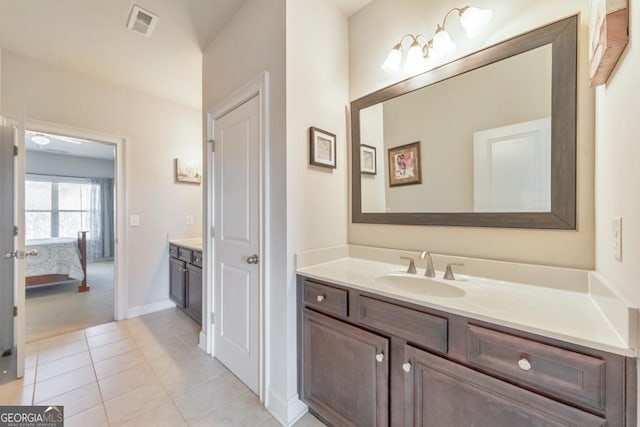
x,y
562,36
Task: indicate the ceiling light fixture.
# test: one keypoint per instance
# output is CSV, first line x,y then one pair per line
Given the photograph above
x,y
40,139
422,51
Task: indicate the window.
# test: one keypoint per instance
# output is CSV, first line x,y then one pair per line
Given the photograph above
x,y
56,207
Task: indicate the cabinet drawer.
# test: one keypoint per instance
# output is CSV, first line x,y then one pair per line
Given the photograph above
x,y
571,376
197,258
173,251
420,328
325,298
184,254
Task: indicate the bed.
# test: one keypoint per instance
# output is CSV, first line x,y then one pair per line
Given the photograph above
x,y
59,259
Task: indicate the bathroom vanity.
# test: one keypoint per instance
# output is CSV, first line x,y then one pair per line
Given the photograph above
x,y
185,276
371,356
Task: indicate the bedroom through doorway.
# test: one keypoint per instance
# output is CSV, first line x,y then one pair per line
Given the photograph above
x,y
70,221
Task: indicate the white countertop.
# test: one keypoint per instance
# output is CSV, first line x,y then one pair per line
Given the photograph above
x,y
194,243
565,314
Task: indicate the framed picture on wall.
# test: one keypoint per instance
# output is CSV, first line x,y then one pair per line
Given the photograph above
x,y
367,159
404,165
608,36
187,173
322,148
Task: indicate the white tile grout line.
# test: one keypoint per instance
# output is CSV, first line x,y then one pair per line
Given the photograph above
x,y
95,374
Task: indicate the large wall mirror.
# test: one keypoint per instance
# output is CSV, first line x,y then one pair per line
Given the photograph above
x,y
488,140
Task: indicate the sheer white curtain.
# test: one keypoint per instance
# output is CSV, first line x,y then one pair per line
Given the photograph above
x,y
100,221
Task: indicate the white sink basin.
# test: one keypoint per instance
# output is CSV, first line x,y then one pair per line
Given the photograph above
x,y
418,285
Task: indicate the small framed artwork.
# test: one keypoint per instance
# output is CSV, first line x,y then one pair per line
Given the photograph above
x,y
404,165
367,159
187,173
608,36
322,148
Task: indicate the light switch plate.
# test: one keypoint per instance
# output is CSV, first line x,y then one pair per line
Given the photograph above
x,y
617,237
134,220
189,219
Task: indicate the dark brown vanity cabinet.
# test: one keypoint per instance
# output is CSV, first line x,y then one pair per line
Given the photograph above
x,y
368,360
185,280
347,379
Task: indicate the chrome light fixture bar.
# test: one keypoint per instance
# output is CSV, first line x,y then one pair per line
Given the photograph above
x,y
422,51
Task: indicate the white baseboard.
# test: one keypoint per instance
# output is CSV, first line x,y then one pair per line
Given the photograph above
x,y
141,310
203,341
286,412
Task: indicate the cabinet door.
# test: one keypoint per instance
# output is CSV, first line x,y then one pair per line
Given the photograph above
x,y
176,281
345,372
194,292
439,392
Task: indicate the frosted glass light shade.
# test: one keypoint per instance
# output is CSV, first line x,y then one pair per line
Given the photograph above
x,y
392,63
475,21
442,44
40,140
415,62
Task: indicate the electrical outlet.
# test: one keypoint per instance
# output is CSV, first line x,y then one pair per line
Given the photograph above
x,y
189,219
134,220
617,237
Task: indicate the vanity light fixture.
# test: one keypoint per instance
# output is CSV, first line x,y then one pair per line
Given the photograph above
x,y
422,51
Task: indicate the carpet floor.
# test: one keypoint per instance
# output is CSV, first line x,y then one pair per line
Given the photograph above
x,y
58,309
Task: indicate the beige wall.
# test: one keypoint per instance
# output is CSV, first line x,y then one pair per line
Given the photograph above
x,y
317,94
617,171
376,28
253,42
372,134
156,132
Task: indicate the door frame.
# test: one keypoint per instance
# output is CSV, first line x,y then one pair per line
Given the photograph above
x,y
257,87
120,189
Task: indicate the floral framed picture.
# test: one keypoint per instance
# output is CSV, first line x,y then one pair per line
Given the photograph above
x,y
404,165
322,148
367,159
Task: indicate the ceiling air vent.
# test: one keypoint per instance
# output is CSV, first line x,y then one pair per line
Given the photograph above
x,y
142,21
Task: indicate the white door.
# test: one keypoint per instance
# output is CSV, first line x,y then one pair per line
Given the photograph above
x,y
237,242
512,168
12,243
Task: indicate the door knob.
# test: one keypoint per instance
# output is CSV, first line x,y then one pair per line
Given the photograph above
x,y
253,259
406,367
380,357
20,254
31,252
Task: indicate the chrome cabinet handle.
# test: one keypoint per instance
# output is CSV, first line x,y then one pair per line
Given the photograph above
x,y
524,364
320,298
406,367
253,259
9,255
380,357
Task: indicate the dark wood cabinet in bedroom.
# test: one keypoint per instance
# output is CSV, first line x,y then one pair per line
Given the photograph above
x,y
185,280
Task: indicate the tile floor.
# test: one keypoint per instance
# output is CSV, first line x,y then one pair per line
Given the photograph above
x,y
146,371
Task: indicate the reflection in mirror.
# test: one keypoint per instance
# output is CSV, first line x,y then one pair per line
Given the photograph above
x,y
495,134
484,141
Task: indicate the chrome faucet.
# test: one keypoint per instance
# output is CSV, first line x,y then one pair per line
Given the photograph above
x,y
412,265
448,274
429,271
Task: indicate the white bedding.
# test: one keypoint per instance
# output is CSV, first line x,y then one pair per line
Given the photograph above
x,y
58,255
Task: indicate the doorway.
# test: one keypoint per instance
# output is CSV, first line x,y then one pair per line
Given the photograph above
x,y
69,220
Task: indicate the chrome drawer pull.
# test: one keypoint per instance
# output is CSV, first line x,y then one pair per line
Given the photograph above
x,y
406,367
320,298
380,357
524,364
